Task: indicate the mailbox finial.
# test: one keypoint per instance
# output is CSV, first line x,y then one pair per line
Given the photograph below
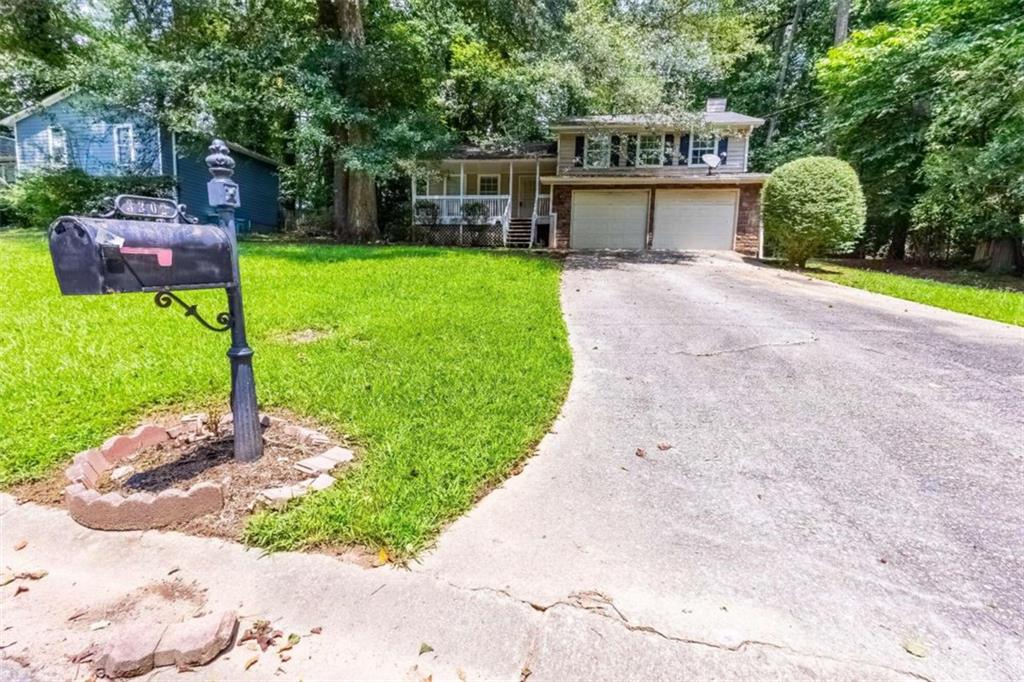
x,y
219,161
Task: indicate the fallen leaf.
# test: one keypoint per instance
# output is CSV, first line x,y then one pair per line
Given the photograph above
x,y
293,639
664,446
20,589
382,557
7,577
316,631
33,575
425,648
640,452
20,545
174,570
285,658
251,662
915,647
78,614
100,624
461,674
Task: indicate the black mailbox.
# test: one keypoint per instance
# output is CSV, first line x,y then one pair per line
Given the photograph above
x,y
105,256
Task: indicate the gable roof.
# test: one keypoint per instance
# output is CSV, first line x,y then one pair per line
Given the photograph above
x,y
654,120
44,103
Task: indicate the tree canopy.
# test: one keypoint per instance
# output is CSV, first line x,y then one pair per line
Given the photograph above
x,y
922,97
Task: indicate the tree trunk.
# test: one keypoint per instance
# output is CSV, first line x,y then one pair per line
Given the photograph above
x,y
898,240
1003,255
362,198
842,22
784,57
354,210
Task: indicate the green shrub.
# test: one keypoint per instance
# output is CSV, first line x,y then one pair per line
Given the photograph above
x,y
36,199
812,206
427,212
475,213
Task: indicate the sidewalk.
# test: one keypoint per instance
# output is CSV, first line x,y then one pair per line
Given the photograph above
x,y
373,622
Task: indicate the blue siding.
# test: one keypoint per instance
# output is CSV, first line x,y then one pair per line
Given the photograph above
x,y
257,182
89,132
166,151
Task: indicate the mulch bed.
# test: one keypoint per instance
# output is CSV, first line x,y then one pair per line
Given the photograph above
x,y
183,462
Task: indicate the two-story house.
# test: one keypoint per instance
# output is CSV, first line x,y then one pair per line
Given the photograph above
x,y
68,130
614,182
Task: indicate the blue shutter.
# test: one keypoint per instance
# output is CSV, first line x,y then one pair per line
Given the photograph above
x,y
578,160
615,142
670,141
684,149
723,145
631,150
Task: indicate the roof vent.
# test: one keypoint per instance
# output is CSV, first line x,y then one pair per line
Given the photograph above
x,y
715,104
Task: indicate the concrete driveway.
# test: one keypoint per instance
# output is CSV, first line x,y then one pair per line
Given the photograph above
x,y
844,485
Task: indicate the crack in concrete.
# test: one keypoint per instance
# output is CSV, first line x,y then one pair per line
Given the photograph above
x,y
592,601
743,349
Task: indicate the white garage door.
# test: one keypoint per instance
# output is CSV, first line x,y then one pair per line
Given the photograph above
x,y
608,220
694,219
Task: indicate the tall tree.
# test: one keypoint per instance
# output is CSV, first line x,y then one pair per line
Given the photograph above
x,y
842,31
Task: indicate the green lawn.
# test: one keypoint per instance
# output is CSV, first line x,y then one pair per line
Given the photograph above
x,y
980,299
446,366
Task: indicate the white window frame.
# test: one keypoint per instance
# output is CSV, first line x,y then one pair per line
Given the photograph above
x,y
497,184
639,150
689,153
131,144
51,138
606,160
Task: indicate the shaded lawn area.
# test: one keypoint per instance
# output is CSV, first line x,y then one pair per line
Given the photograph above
x,y
446,366
990,296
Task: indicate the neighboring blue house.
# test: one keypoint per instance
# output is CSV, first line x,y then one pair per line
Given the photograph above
x,y
8,159
67,130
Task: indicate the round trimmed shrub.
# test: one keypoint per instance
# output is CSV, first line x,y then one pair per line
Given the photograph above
x,y
811,207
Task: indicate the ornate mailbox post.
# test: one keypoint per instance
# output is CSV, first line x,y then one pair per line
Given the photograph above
x,y
166,251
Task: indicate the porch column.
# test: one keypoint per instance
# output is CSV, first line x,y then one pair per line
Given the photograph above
x,y
413,180
536,185
511,189
462,183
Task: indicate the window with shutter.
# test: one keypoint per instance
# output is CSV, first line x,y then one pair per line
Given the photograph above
x,y
650,150
598,151
699,146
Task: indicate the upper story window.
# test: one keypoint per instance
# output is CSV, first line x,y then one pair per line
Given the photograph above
x,y
597,151
487,185
57,145
650,150
699,146
124,144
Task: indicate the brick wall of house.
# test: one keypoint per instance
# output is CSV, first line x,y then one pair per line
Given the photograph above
x,y
748,223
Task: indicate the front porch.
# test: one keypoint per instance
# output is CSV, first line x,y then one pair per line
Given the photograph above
x,y
505,194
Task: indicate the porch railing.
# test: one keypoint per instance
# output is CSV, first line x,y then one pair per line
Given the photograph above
x,y
543,204
450,208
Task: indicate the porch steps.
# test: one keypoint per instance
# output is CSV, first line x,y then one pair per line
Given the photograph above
x,y
519,230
